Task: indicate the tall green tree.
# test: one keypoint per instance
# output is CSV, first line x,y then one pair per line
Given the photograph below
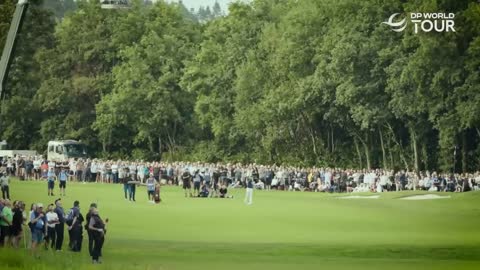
x,y
19,118
147,98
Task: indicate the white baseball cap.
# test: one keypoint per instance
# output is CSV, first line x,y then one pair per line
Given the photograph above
x,y
39,205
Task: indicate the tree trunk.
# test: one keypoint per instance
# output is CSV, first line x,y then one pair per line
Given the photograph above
x,y
366,149
150,144
311,131
328,141
392,162
333,140
160,148
464,152
413,136
314,143
357,147
425,157
367,152
402,156
384,155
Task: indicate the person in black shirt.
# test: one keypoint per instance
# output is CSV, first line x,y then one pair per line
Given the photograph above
x,y
60,226
223,192
186,180
98,230
16,229
88,216
76,228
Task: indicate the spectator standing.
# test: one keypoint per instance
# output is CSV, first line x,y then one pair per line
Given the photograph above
x,y
21,168
157,198
6,217
38,226
52,221
44,169
93,170
86,171
88,217
114,170
4,183
79,170
108,172
141,172
197,179
18,219
72,165
51,177
75,227
29,169
60,226
132,186
62,180
150,188
98,229
186,182
124,180
37,172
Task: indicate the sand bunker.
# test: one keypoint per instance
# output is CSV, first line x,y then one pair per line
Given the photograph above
x,y
360,197
425,197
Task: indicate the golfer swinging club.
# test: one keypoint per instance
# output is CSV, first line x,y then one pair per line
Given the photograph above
x,y
249,191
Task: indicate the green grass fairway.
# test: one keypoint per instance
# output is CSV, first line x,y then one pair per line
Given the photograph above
x,y
281,230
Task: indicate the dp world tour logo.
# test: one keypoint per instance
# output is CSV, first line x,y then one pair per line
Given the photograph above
x,y
426,22
396,26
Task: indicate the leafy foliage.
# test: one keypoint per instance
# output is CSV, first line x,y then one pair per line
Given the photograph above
x,y
274,81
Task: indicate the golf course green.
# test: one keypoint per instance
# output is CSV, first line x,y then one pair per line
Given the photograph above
x,y
281,230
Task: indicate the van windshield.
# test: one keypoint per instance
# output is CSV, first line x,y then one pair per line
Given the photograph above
x,y
75,150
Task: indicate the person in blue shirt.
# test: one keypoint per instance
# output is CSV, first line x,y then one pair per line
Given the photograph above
x,y
51,177
62,179
38,227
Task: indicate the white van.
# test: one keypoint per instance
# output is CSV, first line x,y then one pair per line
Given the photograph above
x,y
60,151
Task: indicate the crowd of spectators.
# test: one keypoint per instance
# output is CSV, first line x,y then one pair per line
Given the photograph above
x,y
211,176
45,227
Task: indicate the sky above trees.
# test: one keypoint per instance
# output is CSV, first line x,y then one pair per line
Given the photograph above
x,y
198,3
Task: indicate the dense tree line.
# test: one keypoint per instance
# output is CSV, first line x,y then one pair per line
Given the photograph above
x,y
275,81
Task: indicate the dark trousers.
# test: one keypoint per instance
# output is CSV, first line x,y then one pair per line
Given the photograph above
x,y
51,234
76,239
4,232
98,240
6,192
93,177
79,176
59,230
131,192
126,190
90,242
